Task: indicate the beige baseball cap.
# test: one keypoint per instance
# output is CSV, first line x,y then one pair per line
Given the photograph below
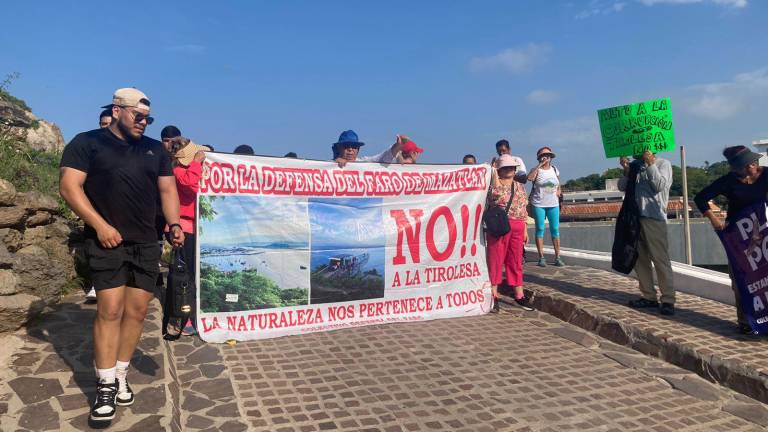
x,y
129,97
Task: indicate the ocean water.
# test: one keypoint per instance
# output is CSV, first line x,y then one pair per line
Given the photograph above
x,y
376,258
288,268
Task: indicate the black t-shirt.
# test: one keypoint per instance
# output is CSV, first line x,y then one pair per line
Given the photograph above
x,y
122,180
739,195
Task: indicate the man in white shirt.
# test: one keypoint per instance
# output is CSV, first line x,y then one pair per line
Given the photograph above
x,y
346,150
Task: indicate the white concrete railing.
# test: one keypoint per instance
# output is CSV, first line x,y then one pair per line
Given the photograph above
x,y
698,281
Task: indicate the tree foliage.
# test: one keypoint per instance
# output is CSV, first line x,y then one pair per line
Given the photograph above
x,y
698,179
254,291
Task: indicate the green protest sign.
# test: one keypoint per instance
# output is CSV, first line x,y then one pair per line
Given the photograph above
x,y
632,129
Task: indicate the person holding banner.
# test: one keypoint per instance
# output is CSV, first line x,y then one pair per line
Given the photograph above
x,y
409,152
654,179
744,186
545,202
505,252
347,149
188,158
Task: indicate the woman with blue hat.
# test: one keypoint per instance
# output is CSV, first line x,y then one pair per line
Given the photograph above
x,y
346,150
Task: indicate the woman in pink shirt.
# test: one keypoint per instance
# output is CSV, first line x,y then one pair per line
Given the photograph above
x,y
187,168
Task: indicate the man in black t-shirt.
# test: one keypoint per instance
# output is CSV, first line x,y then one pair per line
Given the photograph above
x,y
114,178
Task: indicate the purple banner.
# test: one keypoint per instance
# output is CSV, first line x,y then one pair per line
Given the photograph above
x,y
746,244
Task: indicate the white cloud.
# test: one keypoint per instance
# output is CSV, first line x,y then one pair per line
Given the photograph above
x,y
515,60
542,97
567,133
726,3
601,7
186,48
723,100
607,7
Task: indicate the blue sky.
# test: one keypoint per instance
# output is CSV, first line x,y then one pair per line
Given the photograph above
x,y
351,222
455,76
246,219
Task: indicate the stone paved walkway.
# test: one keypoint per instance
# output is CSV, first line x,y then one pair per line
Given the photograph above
x,y
515,371
701,337
49,382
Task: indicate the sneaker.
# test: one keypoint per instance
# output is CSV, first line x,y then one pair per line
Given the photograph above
x,y
559,262
542,262
523,303
642,303
103,409
188,330
746,330
91,295
495,308
667,309
124,392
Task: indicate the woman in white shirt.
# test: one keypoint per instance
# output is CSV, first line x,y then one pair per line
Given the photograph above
x,y
545,202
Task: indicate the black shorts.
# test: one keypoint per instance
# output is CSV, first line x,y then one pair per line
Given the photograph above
x,y
131,264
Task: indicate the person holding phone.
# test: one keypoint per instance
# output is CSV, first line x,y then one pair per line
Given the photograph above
x,y
545,202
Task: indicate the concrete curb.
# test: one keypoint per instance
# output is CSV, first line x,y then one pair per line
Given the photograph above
x,y
732,374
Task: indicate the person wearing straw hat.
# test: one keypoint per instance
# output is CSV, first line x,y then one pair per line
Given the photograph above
x,y
188,158
745,185
113,178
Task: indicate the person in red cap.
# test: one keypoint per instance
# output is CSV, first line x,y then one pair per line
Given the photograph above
x,y
409,152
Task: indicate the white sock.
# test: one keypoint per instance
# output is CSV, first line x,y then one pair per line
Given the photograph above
x,y
106,375
121,374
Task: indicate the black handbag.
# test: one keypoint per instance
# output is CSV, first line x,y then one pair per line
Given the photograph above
x,y
178,295
496,220
624,252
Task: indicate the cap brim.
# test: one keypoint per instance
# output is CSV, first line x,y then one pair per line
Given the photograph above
x,y
353,143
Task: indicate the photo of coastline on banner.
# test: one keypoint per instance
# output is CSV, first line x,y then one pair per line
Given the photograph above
x,y
291,246
630,130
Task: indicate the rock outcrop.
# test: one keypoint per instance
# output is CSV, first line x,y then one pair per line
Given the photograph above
x,y
38,134
36,259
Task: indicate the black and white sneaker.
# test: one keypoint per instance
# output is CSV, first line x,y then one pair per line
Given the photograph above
x,y
103,409
124,393
523,303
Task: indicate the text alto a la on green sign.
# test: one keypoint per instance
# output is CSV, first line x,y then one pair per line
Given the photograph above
x,y
629,130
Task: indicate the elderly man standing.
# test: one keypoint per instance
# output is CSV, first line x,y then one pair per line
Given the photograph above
x,y
654,179
115,179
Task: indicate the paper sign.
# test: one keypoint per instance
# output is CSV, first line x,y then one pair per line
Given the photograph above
x,y
629,130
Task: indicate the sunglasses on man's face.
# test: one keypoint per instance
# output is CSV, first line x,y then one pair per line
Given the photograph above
x,y
139,117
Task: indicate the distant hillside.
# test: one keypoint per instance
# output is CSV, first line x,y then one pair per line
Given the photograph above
x,y
698,179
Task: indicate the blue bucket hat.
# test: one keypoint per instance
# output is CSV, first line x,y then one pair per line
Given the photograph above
x,y
348,137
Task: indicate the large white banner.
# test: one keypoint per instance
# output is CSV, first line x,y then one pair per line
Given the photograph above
x,y
290,246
